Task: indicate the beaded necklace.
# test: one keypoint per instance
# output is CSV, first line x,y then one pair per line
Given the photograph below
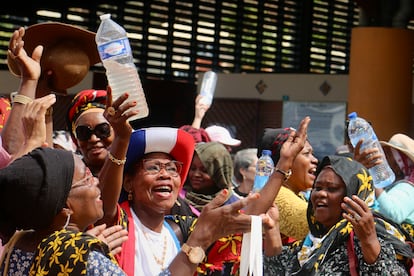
x,y
159,261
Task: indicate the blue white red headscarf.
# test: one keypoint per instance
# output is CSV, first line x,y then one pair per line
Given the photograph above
x,y
175,142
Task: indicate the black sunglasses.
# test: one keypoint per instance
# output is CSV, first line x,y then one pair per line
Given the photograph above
x,y
84,133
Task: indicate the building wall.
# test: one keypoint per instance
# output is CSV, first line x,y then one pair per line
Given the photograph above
x,y
245,103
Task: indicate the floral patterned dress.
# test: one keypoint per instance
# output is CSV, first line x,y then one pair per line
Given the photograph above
x,y
90,258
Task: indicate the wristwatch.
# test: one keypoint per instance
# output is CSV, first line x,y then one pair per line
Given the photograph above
x,y
195,254
284,173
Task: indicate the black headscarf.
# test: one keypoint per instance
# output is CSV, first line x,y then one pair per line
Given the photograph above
x,y
358,182
34,188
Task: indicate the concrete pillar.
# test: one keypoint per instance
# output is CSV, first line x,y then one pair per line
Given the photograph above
x,y
380,78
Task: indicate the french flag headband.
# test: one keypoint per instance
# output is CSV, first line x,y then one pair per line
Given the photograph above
x,y
175,142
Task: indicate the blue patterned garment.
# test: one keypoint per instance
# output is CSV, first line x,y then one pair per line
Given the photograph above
x,y
98,265
20,262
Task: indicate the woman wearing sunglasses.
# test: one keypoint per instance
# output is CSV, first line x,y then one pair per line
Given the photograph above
x,y
91,132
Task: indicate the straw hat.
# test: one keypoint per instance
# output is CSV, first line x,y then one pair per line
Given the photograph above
x,y
402,143
68,52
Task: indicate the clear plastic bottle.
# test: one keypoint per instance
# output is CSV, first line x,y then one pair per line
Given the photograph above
x,y
121,72
359,128
208,87
264,168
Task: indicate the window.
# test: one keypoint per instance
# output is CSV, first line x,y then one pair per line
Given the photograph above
x,y
175,40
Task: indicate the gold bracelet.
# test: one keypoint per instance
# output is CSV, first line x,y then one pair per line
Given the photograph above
x,y
286,174
22,99
119,162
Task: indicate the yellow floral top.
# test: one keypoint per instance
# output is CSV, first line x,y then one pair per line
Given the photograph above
x,y
67,252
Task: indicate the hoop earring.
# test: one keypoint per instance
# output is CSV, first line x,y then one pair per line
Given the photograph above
x,y
67,221
130,197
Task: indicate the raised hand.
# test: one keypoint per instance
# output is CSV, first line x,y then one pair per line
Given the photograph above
x,y
272,244
358,213
369,157
33,119
290,149
117,113
29,71
200,111
217,220
110,178
293,145
271,219
33,125
29,67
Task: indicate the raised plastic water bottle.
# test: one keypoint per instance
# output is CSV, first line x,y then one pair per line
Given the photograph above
x,y
121,72
359,128
208,87
264,168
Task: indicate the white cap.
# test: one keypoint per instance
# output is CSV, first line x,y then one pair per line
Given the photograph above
x,y
222,135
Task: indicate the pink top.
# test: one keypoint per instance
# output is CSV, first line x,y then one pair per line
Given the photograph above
x,y
4,156
182,195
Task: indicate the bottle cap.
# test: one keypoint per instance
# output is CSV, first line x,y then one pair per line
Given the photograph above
x,y
105,16
352,115
266,152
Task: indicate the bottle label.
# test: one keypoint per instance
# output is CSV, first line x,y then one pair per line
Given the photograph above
x,y
119,47
259,182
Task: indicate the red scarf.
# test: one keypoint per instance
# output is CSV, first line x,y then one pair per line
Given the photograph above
x,y
126,258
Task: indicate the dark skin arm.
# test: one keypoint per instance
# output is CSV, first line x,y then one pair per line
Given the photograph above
x,y
34,126
200,112
215,221
30,70
111,175
290,149
272,245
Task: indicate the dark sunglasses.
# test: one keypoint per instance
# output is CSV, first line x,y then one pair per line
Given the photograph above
x,y
84,133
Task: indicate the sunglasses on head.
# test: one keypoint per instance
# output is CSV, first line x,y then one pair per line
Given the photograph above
x,y
84,133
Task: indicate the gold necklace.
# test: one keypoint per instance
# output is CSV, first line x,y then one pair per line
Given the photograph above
x,y
159,261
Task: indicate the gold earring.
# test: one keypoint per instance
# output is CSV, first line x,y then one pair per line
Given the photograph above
x,y
130,197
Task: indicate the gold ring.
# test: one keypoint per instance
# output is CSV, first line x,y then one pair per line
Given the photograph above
x,y
111,111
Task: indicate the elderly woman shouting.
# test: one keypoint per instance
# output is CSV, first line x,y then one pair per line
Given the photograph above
x,y
345,237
